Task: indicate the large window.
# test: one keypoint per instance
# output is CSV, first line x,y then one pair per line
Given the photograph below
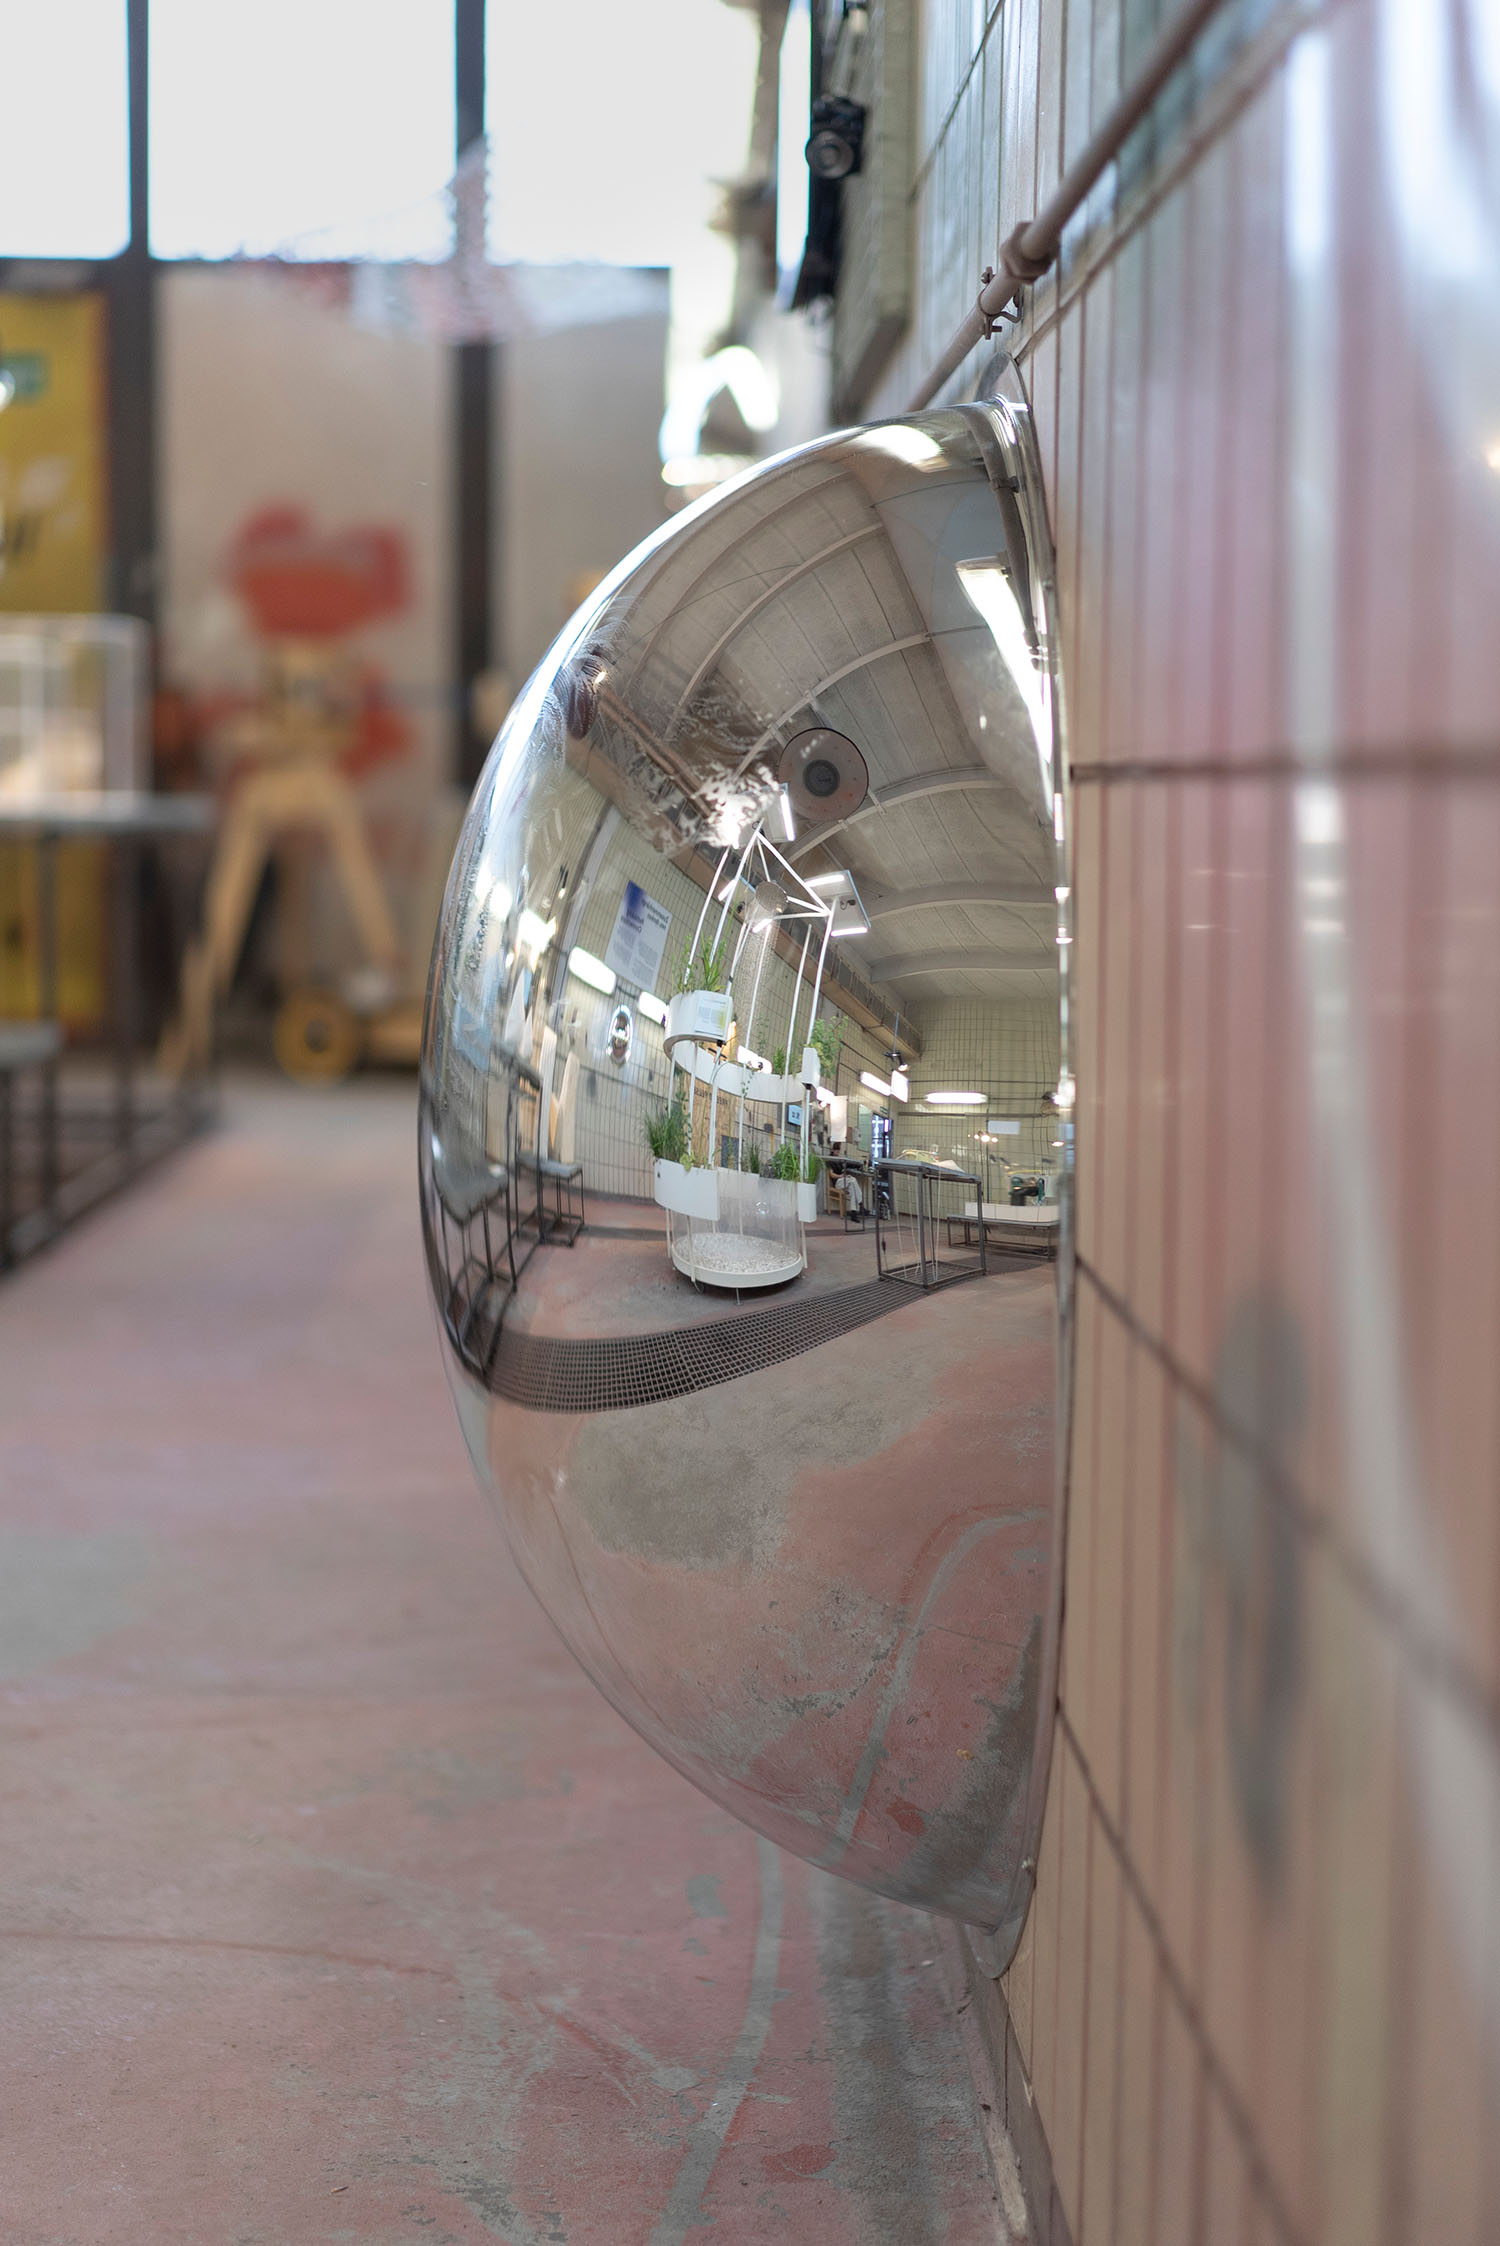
x,y
309,128
64,161
610,121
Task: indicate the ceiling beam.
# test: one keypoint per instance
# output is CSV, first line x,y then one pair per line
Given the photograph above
x,y
772,592
806,700
903,965
878,905
945,781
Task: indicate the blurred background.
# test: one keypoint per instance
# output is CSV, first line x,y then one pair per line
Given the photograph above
x,y
344,351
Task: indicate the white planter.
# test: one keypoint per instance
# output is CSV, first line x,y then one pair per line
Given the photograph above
x,y
771,1091
807,1203
702,1015
812,1067
687,1193
707,1067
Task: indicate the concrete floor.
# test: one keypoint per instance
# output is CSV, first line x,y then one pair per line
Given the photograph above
x,y
334,1902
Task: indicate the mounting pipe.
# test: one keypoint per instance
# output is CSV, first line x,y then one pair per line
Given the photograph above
x,y
1029,248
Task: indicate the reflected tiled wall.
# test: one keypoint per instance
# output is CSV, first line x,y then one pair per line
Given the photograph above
x,y
1258,1996
1009,1051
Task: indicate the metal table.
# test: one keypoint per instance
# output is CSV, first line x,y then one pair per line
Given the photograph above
x,y
113,1144
918,1258
1028,1227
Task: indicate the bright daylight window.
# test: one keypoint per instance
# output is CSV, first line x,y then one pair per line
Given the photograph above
x,y
305,128
609,124
64,162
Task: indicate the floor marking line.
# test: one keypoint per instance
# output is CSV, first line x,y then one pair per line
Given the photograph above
x,y
706,2139
896,1684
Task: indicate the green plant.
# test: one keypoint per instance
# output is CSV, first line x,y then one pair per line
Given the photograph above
x,y
778,1061
666,1131
786,1162
826,1037
705,966
813,1165
750,1157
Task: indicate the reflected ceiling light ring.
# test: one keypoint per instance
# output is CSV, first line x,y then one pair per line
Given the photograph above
x,y
823,774
720,1609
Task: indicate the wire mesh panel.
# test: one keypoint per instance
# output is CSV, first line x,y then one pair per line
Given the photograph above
x,y
913,1242
482,1208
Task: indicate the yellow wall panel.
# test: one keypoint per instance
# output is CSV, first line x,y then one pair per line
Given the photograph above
x,y
52,458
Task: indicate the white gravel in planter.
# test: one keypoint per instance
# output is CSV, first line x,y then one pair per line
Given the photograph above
x,y
741,1251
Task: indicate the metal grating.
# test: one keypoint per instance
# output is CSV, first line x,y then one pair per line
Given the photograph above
x,y
544,1374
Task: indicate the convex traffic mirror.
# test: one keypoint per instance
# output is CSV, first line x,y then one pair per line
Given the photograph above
x,y
755,1325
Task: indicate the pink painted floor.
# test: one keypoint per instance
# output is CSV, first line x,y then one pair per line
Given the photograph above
x,y
335,1904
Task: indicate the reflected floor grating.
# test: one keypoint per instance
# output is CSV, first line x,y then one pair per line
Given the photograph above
x,y
618,1372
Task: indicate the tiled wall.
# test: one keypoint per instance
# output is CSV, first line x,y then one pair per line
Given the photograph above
x,y
1007,1049
1258,1996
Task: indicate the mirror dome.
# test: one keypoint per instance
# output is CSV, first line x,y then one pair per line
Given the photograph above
x,y
745,1148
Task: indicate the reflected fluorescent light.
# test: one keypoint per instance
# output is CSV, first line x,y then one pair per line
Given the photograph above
x,y
7,387
498,901
1062,895
955,1099
1063,938
1057,817
992,594
1066,1093
652,1007
697,471
827,880
788,823
1320,819
875,1083
1491,455
912,446
590,970
534,934
851,928
900,1086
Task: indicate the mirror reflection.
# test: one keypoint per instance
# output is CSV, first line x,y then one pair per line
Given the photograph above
x,y
746,1146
